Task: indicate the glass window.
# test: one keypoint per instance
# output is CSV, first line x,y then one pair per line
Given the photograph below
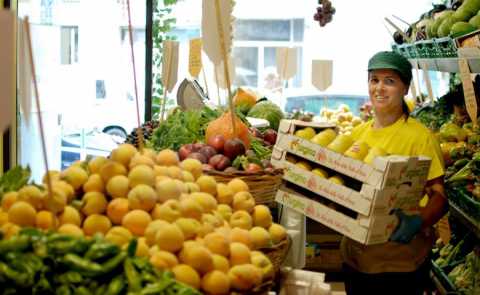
x,y
69,45
298,29
246,65
100,90
85,77
262,30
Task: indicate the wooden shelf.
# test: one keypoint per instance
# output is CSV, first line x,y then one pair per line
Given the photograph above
x,y
469,222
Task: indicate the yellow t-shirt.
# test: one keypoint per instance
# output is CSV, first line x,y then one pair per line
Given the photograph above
x,y
404,137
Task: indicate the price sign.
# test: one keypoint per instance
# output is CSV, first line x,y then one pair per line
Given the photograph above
x,y
468,91
195,57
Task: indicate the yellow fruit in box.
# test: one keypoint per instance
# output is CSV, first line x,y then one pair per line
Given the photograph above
x,y
373,153
344,108
304,165
341,143
325,137
305,133
358,150
356,121
320,172
341,118
337,179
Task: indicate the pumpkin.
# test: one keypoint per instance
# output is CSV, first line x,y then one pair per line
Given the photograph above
x,y
223,126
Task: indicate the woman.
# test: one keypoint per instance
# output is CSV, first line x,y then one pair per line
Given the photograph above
x,y
399,266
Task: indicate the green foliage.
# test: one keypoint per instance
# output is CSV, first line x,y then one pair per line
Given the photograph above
x,y
163,23
182,127
14,179
269,111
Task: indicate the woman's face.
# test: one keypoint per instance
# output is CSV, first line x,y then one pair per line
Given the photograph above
x,y
386,91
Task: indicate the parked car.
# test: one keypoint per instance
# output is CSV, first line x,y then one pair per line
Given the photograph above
x,y
315,103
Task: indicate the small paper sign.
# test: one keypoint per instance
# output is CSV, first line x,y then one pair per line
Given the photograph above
x,y
170,64
426,78
468,91
222,82
195,57
7,66
322,72
286,62
216,33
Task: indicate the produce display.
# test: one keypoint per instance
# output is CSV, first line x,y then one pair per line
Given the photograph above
x,y
341,117
435,114
208,135
456,20
460,264
209,234
147,131
341,143
269,111
37,262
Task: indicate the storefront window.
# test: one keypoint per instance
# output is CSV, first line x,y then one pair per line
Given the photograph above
x,y
84,71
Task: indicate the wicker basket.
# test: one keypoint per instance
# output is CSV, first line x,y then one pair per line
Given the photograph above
x,y
263,289
278,253
263,185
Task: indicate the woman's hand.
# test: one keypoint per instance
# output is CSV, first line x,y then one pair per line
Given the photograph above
x,y
408,227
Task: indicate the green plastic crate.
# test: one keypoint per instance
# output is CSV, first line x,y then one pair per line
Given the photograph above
x,y
446,47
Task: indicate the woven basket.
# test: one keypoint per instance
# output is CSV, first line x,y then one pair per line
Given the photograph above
x,y
263,185
263,289
278,253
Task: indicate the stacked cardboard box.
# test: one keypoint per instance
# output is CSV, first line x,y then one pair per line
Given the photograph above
x,y
360,209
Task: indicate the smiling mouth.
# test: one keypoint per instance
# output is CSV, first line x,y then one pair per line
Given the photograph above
x,y
378,97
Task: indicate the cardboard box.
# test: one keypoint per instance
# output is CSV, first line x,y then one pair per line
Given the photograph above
x,y
364,229
367,201
389,171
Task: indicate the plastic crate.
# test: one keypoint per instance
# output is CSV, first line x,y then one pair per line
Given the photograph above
x,y
427,49
412,51
402,50
446,47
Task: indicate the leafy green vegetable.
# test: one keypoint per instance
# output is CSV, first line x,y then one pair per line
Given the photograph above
x,y
182,127
14,179
269,111
262,152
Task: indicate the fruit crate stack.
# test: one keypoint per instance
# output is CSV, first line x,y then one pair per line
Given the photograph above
x,y
358,198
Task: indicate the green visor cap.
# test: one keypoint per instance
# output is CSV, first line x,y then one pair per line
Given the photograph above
x,y
393,61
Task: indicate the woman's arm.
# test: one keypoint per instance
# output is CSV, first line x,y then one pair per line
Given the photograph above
x,y
437,204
